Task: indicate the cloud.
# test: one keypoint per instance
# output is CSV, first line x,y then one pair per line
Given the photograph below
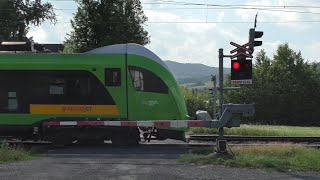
x,y
161,16
39,35
269,47
276,15
53,33
199,42
232,34
220,16
312,52
309,52
181,42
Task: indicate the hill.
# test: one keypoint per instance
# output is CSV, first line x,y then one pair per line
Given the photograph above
x,y
193,74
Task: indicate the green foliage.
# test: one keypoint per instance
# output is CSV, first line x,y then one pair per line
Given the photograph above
x,y
278,156
17,15
284,90
8,154
263,130
101,23
197,99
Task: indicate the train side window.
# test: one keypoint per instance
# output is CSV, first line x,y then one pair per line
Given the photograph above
x,y
57,87
113,77
137,79
20,88
12,101
147,81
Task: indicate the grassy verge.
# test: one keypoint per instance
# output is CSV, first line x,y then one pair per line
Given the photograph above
x,y
8,154
278,156
263,130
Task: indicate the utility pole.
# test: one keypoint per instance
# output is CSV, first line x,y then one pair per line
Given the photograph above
x,y
214,95
220,80
221,88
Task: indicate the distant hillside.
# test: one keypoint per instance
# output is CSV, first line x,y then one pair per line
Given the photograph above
x,y
195,73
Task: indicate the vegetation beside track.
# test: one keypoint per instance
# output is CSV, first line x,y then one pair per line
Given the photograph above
x,y
9,154
278,156
263,130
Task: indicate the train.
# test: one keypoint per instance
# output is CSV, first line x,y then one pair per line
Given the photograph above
x,y
114,92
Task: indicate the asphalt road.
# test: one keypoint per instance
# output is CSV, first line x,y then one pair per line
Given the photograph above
x,y
142,162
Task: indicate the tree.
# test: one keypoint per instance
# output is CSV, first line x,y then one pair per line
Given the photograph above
x,y
284,89
197,99
17,15
99,23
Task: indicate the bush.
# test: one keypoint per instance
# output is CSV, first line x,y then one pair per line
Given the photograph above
x,y
10,154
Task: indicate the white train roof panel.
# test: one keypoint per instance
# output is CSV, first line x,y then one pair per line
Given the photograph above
x,y
130,48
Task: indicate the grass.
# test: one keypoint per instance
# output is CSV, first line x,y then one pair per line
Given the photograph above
x,y
263,130
8,154
278,156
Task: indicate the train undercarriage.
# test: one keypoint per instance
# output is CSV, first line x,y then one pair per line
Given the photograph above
x,y
119,136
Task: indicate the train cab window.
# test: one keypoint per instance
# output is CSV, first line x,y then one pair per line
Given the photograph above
x,y
147,81
113,77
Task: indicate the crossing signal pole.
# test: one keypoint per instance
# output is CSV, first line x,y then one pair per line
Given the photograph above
x,y
241,72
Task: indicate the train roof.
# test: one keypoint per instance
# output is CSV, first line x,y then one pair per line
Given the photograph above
x,y
129,48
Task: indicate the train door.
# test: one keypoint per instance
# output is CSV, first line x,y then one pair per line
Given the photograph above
x,y
149,97
115,82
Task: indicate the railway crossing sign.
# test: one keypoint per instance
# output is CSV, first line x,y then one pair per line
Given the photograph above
x,y
241,67
241,54
241,51
243,47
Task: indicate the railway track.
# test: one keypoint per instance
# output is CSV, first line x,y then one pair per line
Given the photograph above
x,y
193,142
41,145
234,138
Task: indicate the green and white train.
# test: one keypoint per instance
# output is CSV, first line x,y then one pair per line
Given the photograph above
x,y
108,93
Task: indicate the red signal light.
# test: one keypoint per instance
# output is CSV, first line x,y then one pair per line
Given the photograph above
x,y
236,65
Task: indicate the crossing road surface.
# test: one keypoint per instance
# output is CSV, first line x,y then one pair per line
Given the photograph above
x,y
141,162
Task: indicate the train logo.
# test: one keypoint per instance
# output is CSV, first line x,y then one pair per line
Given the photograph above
x,y
76,109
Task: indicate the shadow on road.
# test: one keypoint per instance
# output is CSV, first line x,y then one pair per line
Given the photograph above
x,y
141,151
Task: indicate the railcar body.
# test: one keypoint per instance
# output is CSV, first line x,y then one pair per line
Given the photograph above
x,y
123,82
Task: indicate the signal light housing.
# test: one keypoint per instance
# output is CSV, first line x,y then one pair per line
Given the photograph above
x,y
241,70
253,34
211,91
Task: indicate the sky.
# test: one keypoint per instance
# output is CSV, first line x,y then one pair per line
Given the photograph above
x,y
194,33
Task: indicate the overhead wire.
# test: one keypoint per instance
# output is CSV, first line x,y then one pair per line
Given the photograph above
x,y
228,5
274,8
215,6
170,2
211,22
208,8
179,5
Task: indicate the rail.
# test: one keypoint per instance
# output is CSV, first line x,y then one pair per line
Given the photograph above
x,y
233,138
